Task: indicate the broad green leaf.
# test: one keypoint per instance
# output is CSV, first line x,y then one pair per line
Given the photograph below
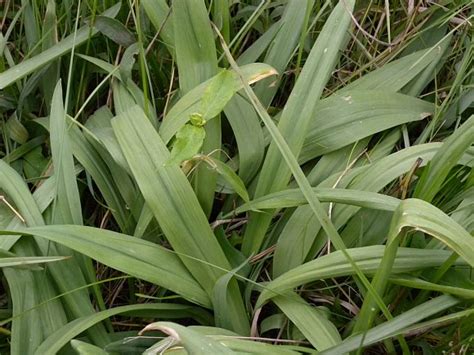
x,y
59,339
284,149
28,66
216,96
259,46
191,102
294,198
298,112
301,234
169,195
343,119
102,64
136,257
249,136
221,13
192,341
114,30
422,216
368,260
66,209
188,143
127,62
314,325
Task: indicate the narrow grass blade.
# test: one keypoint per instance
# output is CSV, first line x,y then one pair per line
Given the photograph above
x,y
283,45
249,136
24,261
445,159
28,66
67,206
114,30
221,295
394,326
161,17
395,75
49,39
414,282
230,177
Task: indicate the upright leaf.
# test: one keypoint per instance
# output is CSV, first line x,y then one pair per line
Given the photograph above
x,y
169,195
296,116
197,61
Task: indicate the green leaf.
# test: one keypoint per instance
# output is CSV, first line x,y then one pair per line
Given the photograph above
x,y
229,175
314,325
298,112
60,338
343,119
188,143
136,257
394,326
445,159
192,341
191,102
415,282
221,300
216,96
24,261
423,217
394,76
127,62
169,195
161,17
67,206
114,30
30,65
83,348
16,130
283,45
294,198
368,260
196,59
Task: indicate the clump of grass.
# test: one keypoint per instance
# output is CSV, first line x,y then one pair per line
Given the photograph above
x,y
216,177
